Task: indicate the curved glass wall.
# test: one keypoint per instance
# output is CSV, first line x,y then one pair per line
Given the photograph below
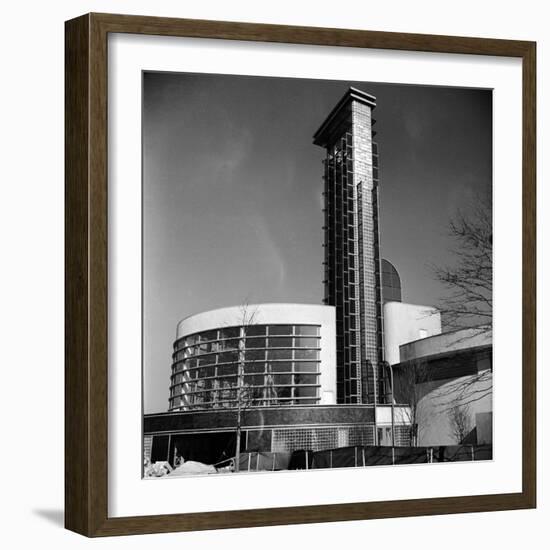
x,y
276,365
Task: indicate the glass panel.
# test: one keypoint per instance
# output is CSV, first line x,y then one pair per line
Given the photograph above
x,y
207,360
204,348
224,370
280,342
255,330
229,344
256,380
190,340
283,366
284,392
307,330
305,391
255,343
254,368
208,335
280,330
306,342
205,372
254,354
306,366
226,383
307,401
306,354
279,354
232,332
228,357
281,379
305,378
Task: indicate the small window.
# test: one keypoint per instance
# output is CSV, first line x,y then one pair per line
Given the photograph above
x,y
305,366
228,357
224,370
255,380
255,343
305,392
305,379
280,330
254,354
280,342
282,366
232,332
229,344
255,330
306,342
282,379
207,336
254,368
307,330
306,354
279,354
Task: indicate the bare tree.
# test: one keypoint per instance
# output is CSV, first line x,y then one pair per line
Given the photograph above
x,y
408,382
469,281
459,418
465,390
245,395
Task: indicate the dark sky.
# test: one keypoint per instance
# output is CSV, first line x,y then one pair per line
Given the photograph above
x,y
232,192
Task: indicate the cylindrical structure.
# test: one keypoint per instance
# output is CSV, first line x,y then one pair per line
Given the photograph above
x,y
285,352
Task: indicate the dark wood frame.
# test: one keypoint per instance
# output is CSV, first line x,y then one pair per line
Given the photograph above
x,y
86,274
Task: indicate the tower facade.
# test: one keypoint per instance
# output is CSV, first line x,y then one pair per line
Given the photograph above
x,y
352,259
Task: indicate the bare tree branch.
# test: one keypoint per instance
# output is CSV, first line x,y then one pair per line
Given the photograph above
x,y
408,390
469,280
459,418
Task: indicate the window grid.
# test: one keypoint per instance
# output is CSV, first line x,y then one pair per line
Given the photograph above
x,y
284,371
322,438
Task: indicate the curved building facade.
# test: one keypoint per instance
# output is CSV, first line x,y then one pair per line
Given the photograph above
x,y
259,356
277,364
455,374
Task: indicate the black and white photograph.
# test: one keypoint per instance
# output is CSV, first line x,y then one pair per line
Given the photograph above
x,y
282,267
317,274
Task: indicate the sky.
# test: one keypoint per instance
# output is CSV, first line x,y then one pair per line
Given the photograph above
x,y
232,193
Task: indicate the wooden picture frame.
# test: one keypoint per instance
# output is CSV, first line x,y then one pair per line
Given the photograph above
x,y
86,218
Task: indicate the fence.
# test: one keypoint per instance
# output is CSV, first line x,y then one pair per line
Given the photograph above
x,y
359,456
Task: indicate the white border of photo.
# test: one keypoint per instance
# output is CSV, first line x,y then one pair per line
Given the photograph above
x,y
129,494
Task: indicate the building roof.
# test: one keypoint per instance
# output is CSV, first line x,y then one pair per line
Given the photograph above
x,y
447,342
286,313
340,114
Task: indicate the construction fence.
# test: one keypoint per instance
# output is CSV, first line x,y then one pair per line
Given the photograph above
x,y
360,456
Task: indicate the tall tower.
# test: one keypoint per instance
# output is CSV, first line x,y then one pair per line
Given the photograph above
x,y
352,260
